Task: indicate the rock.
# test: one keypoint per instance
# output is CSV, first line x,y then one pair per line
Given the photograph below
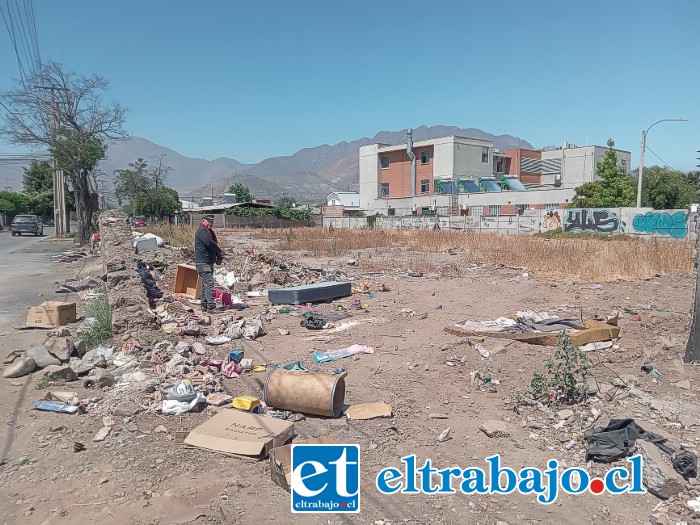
x,y
283,331
684,384
659,477
351,262
102,434
126,409
42,357
198,348
20,367
258,278
64,331
160,429
592,385
80,348
60,372
444,435
61,347
565,414
81,367
182,347
103,378
494,428
688,421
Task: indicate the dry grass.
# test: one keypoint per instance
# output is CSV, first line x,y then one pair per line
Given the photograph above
x,y
591,259
175,235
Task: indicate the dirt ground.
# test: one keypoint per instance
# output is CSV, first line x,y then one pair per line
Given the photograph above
x,y
140,476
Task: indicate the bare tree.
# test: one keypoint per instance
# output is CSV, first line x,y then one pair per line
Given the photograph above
x,y
64,112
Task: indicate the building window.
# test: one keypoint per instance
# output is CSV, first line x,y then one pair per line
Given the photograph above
x,y
425,157
391,212
385,162
385,189
442,210
623,162
494,209
552,206
484,154
425,186
477,211
520,208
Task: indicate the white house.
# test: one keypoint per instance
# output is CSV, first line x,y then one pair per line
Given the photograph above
x,y
347,199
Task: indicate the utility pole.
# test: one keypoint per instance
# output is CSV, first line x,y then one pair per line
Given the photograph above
x,y
61,222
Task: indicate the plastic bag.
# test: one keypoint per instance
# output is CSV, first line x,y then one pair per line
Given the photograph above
x,y
176,408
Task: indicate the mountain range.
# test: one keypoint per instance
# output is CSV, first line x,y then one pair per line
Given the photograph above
x,y
307,176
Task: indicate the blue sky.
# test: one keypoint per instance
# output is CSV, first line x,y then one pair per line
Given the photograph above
x,y
251,80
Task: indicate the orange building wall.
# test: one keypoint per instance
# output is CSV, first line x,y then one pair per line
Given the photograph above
x,y
514,167
398,174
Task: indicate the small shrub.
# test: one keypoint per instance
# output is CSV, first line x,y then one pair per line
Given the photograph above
x,y
101,329
566,374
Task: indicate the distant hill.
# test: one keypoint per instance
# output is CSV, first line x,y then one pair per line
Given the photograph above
x,y
307,176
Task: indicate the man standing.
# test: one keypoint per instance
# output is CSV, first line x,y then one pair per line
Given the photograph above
x,y
206,253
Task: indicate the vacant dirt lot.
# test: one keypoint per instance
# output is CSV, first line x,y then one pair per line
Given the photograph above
x,y
141,475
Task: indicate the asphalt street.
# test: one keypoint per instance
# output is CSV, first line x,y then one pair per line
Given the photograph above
x,y
27,274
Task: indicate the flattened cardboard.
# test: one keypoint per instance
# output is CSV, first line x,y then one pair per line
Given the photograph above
x,y
51,314
241,433
281,460
368,410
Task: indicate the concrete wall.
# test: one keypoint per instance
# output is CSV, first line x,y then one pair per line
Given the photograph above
x,y
645,222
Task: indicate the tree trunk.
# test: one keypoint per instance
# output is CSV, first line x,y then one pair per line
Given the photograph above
x,y
86,203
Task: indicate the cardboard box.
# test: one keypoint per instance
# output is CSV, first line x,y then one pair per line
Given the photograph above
x,y
281,460
187,282
51,314
241,433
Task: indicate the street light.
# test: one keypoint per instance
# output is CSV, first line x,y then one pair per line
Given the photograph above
x,y
641,156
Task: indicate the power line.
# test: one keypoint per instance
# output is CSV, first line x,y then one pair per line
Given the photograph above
x,y
662,160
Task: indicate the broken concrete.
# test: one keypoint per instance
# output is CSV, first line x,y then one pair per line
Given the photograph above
x,y
42,357
659,477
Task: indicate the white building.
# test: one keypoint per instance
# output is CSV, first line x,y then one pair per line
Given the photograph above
x,y
346,199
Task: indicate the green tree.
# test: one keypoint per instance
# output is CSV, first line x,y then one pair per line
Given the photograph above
x,y
13,203
38,177
615,188
285,202
58,110
666,189
242,192
157,202
584,195
132,182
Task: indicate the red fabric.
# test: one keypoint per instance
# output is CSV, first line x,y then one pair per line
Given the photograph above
x,y
210,230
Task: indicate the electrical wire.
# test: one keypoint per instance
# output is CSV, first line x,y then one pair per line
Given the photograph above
x,y
662,160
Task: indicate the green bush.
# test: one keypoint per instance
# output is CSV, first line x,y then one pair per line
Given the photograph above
x,y
101,329
566,374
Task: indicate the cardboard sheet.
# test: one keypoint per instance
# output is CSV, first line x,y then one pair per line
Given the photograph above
x,y
235,432
51,314
281,460
368,410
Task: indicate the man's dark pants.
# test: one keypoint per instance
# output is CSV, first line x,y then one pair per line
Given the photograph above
x,y
206,272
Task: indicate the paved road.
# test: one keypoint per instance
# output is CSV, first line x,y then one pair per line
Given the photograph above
x,y
27,274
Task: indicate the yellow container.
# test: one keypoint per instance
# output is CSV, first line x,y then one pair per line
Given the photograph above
x,y
246,403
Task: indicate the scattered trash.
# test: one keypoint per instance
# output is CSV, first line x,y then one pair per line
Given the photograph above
x,y
368,410
596,287
323,395
217,339
237,432
332,355
51,314
102,434
105,351
246,403
56,406
218,399
482,351
596,345
281,460
177,408
78,447
438,307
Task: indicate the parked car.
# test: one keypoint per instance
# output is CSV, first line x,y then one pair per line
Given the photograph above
x,y
139,221
26,224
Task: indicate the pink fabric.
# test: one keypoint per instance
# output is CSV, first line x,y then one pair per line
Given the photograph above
x,y
230,369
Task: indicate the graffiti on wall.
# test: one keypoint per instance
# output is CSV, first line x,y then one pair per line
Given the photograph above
x,y
600,220
662,223
552,221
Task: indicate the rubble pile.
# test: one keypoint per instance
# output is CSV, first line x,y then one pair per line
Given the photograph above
x,y
128,303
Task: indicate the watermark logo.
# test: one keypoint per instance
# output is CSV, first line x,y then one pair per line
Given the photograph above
x,y
325,478
497,479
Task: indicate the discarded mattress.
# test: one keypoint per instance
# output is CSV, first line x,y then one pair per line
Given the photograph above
x,y
310,293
